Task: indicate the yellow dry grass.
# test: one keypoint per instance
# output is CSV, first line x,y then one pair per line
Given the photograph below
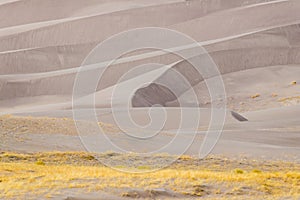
x,y
19,178
287,101
255,96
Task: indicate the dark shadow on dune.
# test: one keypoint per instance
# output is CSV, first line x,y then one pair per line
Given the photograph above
x,y
238,117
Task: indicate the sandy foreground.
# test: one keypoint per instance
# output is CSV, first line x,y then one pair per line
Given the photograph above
x,y
255,45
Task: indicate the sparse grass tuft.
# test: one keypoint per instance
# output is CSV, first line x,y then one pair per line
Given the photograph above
x,y
185,157
39,162
257,171
239,171
88,157
255,96
287,101
144,167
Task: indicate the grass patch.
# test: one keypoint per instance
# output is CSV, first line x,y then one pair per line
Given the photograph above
x,y
255,96
239,171
257,171
27,174
39,162
144,167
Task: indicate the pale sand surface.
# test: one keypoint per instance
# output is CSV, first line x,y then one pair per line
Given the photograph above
x,y
254,43
270,134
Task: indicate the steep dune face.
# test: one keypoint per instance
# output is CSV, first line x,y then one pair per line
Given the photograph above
x,y
44,11
38,60
143,97
40,53
58,54
96,27
170,85
278,46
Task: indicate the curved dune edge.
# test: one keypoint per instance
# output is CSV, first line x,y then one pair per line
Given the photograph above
x,y
160,10
64,33
64,10
255,55
242,94
104,8
12,30
240,61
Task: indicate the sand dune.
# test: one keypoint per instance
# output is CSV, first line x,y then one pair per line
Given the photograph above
x,y
64,10
255,45
251,52
264,55
151,110
276,51
67,33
